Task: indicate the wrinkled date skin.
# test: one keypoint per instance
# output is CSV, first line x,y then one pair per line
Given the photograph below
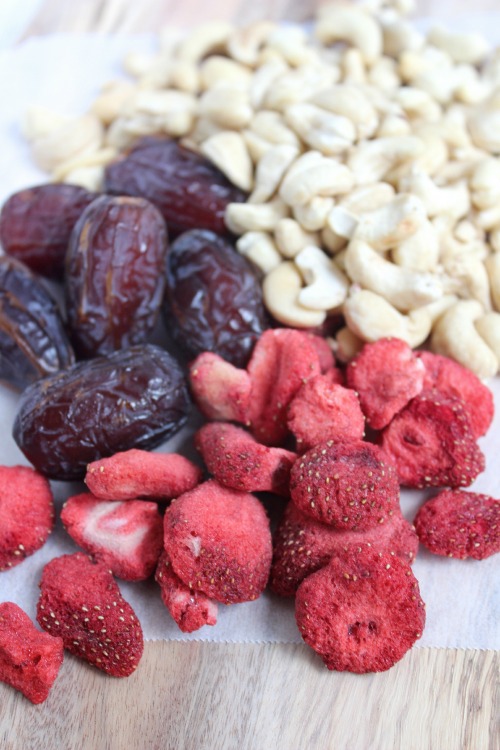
x,y
36,223
188,190
134,398
115,274
213,300
33,341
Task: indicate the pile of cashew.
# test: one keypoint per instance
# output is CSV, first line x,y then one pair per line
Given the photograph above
x,y
370,153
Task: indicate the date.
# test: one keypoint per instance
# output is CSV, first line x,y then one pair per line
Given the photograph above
x,y
36,223
187,189
115,274
33,340
213,300
133,398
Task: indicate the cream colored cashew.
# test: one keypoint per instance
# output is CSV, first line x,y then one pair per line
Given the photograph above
x,y
350,102
217,69
484,127
256,145
291,42
453,200
489,218
367,197
291,238
168,111
469,278
400,35
402,287
88,166
244,44
90,177
393,125
384,75
484,184
270,170
349,23
371,317
251,217
55,139
420,251
108,105
306,180
492,265
333,243
297,85
271,127
418,104
455,335
228,151
461,47
205,39
354,68
347,345
387,226
495,238
488,327
259,248
313,216
227,104
326,286
262,80
280,290
372,160
323,131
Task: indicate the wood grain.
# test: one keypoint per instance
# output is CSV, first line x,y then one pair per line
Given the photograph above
x,y
251,697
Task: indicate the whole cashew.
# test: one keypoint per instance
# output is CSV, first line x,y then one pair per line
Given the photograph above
x,y
373,160
352,24
326,177
326,286
270,170
280,290
228,151
488,327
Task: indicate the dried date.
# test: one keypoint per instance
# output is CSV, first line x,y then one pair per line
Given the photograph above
x,y
36,223
213,300
115,274
134,398
33,341
188,190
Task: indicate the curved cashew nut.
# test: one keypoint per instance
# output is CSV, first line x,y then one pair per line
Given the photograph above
x,y
291,238
270,170
462,48
326,286
326,132
488,328
228,105
280,291
453,200
244,44
469,278
484,184
206,38
313,215
326,177
350,102
390,224
372,160
351,24
403,288
260,217
228,151
420,251
455,335
271,127
260,249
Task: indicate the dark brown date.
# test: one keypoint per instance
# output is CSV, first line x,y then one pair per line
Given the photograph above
x,y
115,274
33,341
36,223
134,398
189,191
213,300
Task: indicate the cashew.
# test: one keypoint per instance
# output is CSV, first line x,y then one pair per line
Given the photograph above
x,y
372,160
350,102
326,286
418,104
453,200
384,75
90,177
228,105
455,335
371,317
290,41
488,327
353,67
256,145
244,44
347,345
271,127
110,101
312,216
462,48
399,35
167,111
349,23
471,278
262,80
484,183
492,265
280,290
291,238
65,139
484,127
495,238
367,197
250,217
403,288
228,151
88,167
205,39
217,69
270,170
387,226
326,177
297,85
259,248
393,125
323,131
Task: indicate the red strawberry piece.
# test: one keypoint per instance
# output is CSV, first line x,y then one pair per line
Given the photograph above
x,y
351,486
237,460
189,608
282,360
221,390
80,601
301,545
431,443
362,612
324,352
219,542
29,659
452,378
138,473
127,537
460,524
26,513
387,375
322,410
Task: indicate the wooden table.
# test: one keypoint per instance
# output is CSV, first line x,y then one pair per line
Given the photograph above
x,y
217,696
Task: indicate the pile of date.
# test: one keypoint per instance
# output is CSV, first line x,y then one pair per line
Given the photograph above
x,y
152,245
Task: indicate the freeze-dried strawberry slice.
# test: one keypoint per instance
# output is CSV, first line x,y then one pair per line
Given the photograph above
x,y
26,513
282,360
219,542
362,612
351,485
387,375
301,545
452,378
460,524
138,473
431,443
127,537
80,601
221,390
189,608
322,410
237,460
325,355
29,659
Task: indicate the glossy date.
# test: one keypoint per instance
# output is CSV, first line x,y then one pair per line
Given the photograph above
x,y
134,398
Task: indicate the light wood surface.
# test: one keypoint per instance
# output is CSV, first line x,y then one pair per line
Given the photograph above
x,y
201,696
